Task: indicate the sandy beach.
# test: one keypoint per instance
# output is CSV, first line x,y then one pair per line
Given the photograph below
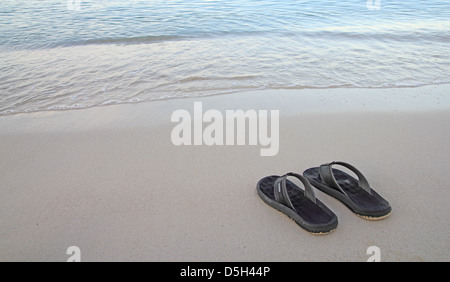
x,y
110,181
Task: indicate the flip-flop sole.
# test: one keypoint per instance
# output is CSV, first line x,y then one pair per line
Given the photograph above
x,y
314,218
371,207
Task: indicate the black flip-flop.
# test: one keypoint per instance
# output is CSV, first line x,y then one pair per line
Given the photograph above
x,y
298,204
355,194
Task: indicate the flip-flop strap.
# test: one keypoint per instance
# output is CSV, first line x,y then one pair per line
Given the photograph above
x,y
281,194
326,173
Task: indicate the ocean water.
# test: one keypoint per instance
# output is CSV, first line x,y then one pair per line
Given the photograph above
x,y
69,54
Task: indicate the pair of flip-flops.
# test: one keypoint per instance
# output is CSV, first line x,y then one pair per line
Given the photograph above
x,y
310,213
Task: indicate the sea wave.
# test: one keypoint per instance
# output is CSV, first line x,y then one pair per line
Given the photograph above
x,y
399,35
53,58
219,91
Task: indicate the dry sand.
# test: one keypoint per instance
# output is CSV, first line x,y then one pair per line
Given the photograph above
x,y
109,180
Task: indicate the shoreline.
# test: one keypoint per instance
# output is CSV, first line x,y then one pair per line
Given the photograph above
x,y
109,180
290,102
294,91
